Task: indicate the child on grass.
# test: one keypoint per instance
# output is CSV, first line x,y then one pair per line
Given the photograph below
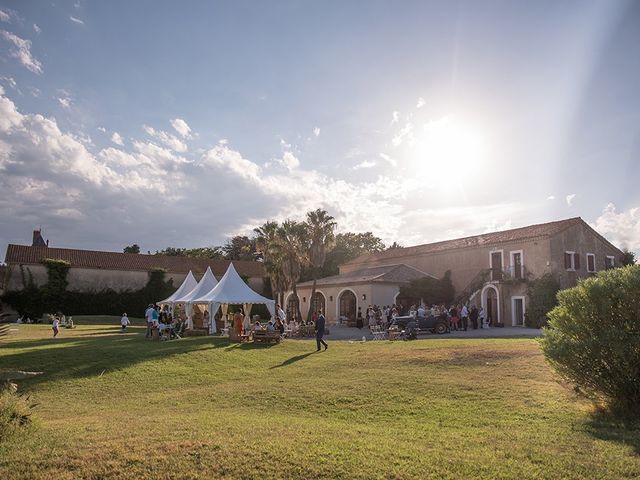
x,y
56,324
124,321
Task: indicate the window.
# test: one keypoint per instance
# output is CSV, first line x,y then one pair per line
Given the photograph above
x,y
495,262
516,264
610,262
571,261
591,262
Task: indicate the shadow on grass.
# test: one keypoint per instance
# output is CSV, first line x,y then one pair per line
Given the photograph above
x,y
605,426
89,355
291,360
249,346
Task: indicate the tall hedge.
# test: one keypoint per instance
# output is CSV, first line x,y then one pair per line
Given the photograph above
x,y
593,338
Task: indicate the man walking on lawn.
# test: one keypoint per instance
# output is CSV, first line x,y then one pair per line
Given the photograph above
x,y
320,332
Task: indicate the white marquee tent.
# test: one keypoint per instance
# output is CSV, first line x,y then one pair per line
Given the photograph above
x,y
206,284
188,284
232,290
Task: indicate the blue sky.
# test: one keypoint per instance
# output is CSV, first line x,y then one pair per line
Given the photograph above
x,y
182,123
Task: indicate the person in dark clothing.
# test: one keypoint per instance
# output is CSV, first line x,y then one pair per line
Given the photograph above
x,y
320,332
473,316
359,321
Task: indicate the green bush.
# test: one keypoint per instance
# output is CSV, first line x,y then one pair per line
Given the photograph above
x,y
542,293
593,338
15,412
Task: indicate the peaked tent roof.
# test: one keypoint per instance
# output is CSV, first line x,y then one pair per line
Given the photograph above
x,y
232,289
207,282
188,284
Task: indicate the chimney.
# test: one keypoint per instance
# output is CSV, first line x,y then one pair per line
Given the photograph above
x,y
38,241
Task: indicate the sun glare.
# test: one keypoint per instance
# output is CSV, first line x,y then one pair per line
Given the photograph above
x,y
448,149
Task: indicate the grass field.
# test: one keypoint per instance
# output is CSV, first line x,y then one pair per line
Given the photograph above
x,y
117,406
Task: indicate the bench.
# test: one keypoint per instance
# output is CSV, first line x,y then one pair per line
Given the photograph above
x,y
263,336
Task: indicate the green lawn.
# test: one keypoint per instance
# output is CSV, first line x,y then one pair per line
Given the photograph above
x,y
117,406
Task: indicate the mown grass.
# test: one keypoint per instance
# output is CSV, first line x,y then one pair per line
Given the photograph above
x,y
117,406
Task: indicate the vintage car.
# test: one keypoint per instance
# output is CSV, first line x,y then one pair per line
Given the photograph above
x,y
433,324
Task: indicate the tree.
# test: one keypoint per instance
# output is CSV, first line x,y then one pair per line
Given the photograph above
x,y
203,252
430,290
628,258
267,249
348,246
135,248
593,338
320,227
394,245
292,246
240,247
542,293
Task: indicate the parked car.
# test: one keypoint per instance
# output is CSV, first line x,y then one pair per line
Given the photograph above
x,y
8,317
433,324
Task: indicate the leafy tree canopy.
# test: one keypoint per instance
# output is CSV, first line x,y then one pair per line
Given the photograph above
x,y
135,248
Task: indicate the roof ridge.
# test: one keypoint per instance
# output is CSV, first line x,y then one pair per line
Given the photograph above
x,y
398,252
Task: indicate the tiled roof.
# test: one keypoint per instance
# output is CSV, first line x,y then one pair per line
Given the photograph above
x,y
399,273
28,255
516,234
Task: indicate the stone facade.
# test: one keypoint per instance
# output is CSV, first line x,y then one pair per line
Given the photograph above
x,y
489,270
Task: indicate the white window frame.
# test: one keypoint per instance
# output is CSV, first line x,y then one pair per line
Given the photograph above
x,y
513,310
513,266
491,262
594,262
613,261
573,261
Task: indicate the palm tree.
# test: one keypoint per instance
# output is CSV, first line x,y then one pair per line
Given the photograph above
x,y
322,239
266,245
291,248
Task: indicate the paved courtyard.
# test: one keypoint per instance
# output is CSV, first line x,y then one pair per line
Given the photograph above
x,y
338,332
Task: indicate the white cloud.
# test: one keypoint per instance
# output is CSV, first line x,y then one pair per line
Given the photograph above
x,y
102,129
34,91
365,164
405,134
5,17
224,157
421,103
391,161
569,198
76,20
289,160
622,228
117,139
395,117
181,127
65,102
10,81
551,197
22,51
167,139
36,28
316,131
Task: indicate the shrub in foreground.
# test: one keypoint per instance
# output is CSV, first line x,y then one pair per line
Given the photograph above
x,y
15,412
593,338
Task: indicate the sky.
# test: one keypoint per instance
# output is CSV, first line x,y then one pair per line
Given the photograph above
x,y
184,123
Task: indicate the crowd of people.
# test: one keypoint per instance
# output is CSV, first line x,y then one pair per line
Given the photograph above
x,y
459,316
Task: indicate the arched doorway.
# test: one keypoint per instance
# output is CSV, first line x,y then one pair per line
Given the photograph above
x,y
292,306
347,305
318,303
490,298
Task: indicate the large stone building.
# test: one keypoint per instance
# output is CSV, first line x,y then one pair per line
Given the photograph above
x,y
489,269
95,270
